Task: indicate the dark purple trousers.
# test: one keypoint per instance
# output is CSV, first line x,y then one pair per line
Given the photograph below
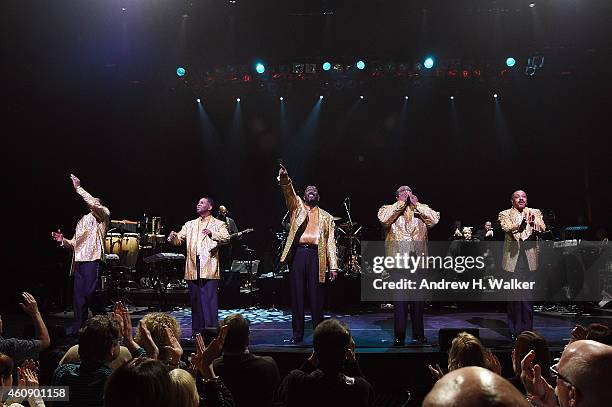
x,y
85,280
520,312
304,274
204,302
400,314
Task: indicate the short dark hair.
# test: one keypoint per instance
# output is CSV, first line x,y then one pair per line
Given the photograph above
x,y
140,382
210,201
237,338
6,366
330,341
97,337
600,333
532,341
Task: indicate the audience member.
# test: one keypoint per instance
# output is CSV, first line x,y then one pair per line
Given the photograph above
x,y
327,385
251,379
27,378
582,377
467,350
141,382
50,358
98,346
156,323
525,342
474,386
184,390
20,349
595,332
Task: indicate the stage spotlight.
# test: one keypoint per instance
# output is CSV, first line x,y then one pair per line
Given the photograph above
x,y
495,95
123,9
327,66
260,68
510,62
237,99
180,71
361,97
281,98
360,65
531,5
320,97
428,63
406,97
198,100
452,98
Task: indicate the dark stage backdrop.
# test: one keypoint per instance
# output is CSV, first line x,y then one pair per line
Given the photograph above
x,y
143,149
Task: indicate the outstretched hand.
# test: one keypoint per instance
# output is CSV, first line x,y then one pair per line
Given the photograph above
x,y
282,171
75,181
537,388
29,305
436,372
57,236
204,356
173,346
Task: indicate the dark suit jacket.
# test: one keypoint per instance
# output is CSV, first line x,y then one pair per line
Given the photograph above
x,y
251,379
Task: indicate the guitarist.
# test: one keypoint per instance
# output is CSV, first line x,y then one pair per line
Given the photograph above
x,y
225,252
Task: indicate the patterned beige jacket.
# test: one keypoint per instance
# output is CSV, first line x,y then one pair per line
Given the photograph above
x,y
510,221
298,215
203,245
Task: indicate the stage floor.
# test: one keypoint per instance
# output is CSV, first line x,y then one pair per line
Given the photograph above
x,y
271,328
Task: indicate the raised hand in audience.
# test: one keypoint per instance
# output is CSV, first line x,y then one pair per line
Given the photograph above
x,y
27,374
147,341
493,362
173,347
436,372
204,356
578,333
539,392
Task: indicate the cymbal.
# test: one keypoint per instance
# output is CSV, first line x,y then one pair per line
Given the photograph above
x,y
348,225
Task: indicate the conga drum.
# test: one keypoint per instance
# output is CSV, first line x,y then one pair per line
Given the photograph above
x,y
112,243
129,249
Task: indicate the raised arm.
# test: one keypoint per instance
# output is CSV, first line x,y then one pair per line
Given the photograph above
x,y
30,307
507,224
291,198
389,213
177,239
428,215
100,211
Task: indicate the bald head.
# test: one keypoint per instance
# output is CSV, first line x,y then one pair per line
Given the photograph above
x,y
474,386
586,366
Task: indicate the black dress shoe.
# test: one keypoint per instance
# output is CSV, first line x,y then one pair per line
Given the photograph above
x,y
398,341
295,341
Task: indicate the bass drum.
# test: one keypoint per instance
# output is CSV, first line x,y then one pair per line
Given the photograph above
x,y
112,244
129,250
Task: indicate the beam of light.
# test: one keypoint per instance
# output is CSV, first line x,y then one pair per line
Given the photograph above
x,y
299,151
504,142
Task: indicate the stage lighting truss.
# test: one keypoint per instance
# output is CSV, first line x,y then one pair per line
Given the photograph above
x,y
534,64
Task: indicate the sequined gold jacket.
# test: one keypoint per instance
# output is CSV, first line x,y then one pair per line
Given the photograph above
x,y
510,221
298,215
87,243
203,245
407,224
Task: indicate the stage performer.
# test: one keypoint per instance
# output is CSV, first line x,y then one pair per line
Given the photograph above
x,y
520,254
406,221
203,237
310,249
87,247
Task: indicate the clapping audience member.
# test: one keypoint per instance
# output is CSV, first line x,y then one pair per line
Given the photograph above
x,y
582,377
474,386
327,385
157,323
20,349
595,332
467,350
98,346
213,392
27,377
525,342
251,379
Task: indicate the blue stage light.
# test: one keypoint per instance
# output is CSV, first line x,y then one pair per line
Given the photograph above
x,y
326,66
180,71
360,65
260,68
428,63
510,62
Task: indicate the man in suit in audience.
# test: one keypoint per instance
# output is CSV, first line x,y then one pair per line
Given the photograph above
x,y
251,379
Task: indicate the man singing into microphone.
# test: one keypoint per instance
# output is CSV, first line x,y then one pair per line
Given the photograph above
x,y
87,247
312,246
203,236
406,222
520,225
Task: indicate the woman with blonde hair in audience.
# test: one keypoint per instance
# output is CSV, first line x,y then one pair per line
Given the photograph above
x,y
184,391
